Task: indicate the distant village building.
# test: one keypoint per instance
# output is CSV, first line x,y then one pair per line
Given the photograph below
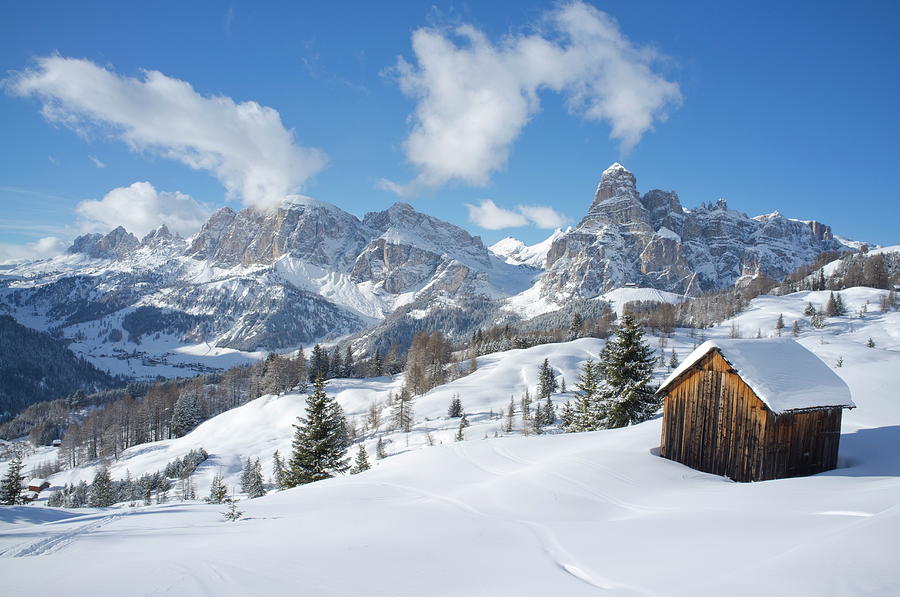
x,y
38,485
753,410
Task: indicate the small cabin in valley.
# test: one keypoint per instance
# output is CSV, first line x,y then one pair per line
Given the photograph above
x,y
753,410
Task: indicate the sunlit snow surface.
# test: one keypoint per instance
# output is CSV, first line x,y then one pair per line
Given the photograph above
x,y
573,514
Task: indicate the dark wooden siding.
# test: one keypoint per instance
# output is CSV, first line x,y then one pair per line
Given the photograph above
x,y
713,422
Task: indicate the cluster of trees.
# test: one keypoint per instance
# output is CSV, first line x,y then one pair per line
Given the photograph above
x,y
881,270
104,491
618,390
596,320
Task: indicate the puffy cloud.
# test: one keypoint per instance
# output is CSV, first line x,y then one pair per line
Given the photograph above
x,y
140,208
489,216
543,216
475,96
41,249
243,144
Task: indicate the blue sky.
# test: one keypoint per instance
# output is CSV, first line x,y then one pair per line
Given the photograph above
x,y
788,106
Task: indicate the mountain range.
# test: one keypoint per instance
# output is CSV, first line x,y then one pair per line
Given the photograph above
x,y
308,271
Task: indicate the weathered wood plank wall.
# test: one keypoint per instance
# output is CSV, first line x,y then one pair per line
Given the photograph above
x,y
713,422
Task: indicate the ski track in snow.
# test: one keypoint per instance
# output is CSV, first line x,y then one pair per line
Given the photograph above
x,y
57,541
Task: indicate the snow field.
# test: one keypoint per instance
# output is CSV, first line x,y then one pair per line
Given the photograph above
x,y
564,514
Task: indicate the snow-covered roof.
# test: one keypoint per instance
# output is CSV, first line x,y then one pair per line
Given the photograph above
x,y
781,372
37,482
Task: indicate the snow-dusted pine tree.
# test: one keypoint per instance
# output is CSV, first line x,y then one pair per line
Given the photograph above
x,y
252,482
279,474
186,414
585,415
320,442
456,407
102,493
11,488
218,492
629,397
362,461
546,381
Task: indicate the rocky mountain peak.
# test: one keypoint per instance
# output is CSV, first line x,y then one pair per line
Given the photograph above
x,y
116,244
616,182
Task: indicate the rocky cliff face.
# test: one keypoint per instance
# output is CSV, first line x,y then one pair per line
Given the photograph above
x,y
652,241
118,244
302,272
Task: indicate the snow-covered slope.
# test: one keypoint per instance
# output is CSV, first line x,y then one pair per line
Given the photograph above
x,y
555,514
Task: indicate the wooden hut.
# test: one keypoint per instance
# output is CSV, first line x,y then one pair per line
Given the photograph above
x,y
753,410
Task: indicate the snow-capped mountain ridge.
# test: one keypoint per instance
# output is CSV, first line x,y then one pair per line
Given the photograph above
x,y
307,271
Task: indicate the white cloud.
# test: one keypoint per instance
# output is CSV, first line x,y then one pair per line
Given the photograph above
x,y
475,96
97,162
543,216
41,249
140,208
245,145
489,216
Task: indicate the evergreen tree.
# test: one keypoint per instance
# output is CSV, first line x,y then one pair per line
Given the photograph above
x,y
102,493
252,482
562,385
380,451
348,363
320,442
835,306
839,308
546,381
464,421
232,513
362,461
218,492
460,435
279,473
11,488
795,329
510,414
585,415
779,324
301,371
525,406
186,414
567,417
809,311
376,366
575,328
549,411
336,365
456,407
318,366
870,343
673,360
628,395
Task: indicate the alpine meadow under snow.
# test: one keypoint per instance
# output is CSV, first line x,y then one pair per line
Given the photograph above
x,y
500,513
